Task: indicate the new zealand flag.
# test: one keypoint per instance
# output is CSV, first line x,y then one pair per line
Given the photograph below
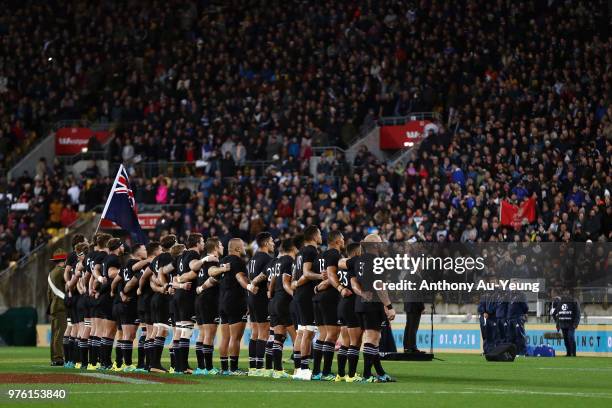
x,y
121,208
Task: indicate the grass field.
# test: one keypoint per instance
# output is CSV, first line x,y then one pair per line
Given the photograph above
x,y
460,380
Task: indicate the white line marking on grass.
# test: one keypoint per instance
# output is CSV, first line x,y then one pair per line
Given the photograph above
x,y
109,377
360,390
576,368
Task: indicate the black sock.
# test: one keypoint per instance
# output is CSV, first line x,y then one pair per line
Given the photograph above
x,y
277,351
185,353
328,357
269,359
259,353
71,349
224,363
173,353
66,348
252,353
353,358
297,359
77,350
305,362
178,357
141,352
199,350
317,355
94,350
119,352
84,348
109,351
128,347
377,364
342,356
148,350
207,352
369,353
157,349
233,363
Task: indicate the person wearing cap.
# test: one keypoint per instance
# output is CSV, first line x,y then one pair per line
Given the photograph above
x,y
57,308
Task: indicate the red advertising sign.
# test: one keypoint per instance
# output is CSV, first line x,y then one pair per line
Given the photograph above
x,y
147,221
71,141
406,135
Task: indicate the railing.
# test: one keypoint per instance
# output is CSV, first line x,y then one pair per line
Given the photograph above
x,y
185,170
400,120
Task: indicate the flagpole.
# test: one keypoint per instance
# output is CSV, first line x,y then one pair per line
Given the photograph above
x,y
110,196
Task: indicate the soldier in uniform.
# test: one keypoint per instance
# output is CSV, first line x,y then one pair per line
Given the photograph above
x,y
57,308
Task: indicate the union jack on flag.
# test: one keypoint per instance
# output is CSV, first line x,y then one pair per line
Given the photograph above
x,y
121,208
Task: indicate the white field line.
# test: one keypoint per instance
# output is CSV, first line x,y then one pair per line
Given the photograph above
x,y
360,390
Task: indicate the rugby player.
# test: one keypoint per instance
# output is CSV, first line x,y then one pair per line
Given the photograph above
x,y
160,303
303,284
145,293
111,265
232,300
350,338
73,344
207,306
373,309
170,271
91,280
124,288
280,303
325,304
258,302
188,268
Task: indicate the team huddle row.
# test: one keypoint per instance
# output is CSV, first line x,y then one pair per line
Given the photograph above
x,y
293,291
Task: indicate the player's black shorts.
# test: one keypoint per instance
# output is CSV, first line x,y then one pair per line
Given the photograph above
x,y
128,313
117,313
346,313
280,312
258,309
373,319
172,310
305,311
82,308
144,308
184,305
326,313
293,312
233,311
104,310
92,311
207,309
160,308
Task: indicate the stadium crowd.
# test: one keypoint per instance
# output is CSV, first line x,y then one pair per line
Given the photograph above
x,y
526,87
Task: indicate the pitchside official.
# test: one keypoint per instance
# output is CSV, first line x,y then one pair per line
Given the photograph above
x,y
566,312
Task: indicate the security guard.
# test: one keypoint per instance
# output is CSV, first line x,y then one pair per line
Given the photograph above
x,y
515,321
57,308
566,312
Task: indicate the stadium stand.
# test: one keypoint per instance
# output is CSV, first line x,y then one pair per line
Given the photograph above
x,y
219,109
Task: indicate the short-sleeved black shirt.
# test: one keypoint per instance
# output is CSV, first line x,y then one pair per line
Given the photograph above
x,y
331,257
345,275
203,277
230,289
72,260
307,254
183,266
365,277
281,266
110,261
160,261
256,265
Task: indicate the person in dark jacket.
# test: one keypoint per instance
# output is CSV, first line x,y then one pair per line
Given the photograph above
x,y
413,311
517,309
488,325
501,315
566,312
